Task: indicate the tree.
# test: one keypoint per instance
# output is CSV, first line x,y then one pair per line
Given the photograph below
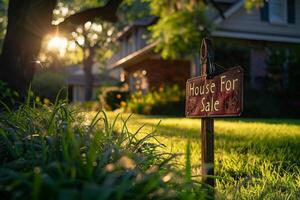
x,y
28,22
3,19
178,30
92,38
182,24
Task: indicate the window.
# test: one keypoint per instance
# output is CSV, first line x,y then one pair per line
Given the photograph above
x,y
278,11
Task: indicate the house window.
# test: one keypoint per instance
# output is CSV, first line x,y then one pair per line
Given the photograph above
x,y
278,11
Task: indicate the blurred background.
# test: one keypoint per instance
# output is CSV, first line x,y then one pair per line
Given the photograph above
x,y
141,62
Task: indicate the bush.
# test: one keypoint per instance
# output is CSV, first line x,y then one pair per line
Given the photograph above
x,y
263,104
114,98
7,96
165,101
47,84
51,153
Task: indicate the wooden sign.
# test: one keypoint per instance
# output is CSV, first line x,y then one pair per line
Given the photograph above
x,y
219,96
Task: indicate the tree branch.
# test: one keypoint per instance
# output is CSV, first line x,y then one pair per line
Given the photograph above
x,y
106,12
221,12
79,45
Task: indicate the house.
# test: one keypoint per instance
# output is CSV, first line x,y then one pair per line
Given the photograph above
x,y
76,82
138,65
276,23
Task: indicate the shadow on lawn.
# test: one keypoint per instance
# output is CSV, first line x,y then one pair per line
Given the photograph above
x,y
283,148
270,121
264,121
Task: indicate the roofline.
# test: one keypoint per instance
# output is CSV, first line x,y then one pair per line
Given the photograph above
x,y
221,33
135,54
127,28
252,36
218,20
233,9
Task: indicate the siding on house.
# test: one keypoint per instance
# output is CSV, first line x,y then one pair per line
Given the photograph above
x,y
242,21
134,41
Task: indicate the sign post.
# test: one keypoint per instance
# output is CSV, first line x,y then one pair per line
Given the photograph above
x,y
213,94
207,145
207,124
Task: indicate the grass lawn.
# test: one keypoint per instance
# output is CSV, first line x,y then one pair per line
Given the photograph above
x,y
254,158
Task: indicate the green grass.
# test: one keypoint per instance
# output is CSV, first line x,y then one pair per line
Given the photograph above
x,y
54,152
254,158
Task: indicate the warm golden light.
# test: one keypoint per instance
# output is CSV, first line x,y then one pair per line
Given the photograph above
x,y
58,44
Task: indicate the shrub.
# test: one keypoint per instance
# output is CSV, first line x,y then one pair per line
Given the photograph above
x,y
46,84
165,101
52,153
114,98
7,96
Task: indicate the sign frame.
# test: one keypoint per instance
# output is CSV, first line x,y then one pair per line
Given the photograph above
x,y
241,95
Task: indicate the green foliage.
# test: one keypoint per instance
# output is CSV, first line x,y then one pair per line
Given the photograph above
x,y
81,4
55,153
178,30
3,20
275,64
277,106
165,101
251,4
181,25
7,95
114,98
93,38
46,84
132,10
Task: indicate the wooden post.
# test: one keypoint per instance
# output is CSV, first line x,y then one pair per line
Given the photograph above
x,y
207,155
207,127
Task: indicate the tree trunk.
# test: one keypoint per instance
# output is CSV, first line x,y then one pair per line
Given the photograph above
x,y
88,63
28,22
89,82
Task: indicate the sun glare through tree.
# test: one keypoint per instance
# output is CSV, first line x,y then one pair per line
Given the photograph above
x,y
59,44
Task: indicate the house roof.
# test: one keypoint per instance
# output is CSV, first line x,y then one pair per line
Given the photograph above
x,y
149,20
135,57
145,21
231,9
250,35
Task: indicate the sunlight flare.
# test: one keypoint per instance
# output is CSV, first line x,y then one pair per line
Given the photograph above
x,y
59,44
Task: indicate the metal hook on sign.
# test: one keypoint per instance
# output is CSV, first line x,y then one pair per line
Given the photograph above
x,y
206,58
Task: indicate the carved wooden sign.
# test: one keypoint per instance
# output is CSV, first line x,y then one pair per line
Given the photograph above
x,y
219,96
